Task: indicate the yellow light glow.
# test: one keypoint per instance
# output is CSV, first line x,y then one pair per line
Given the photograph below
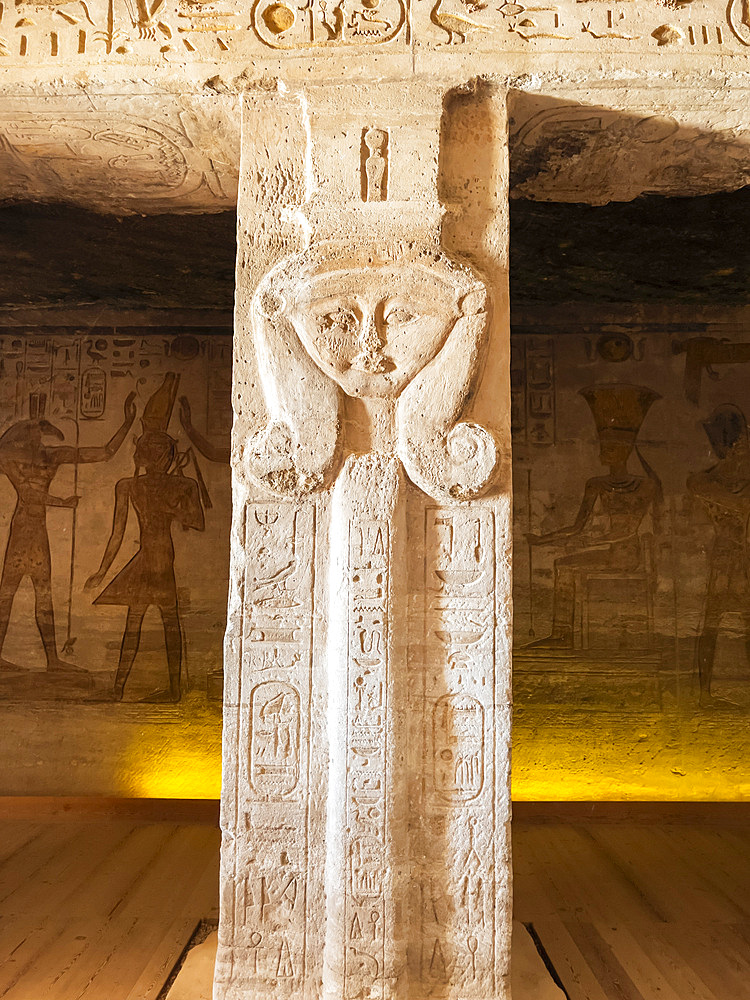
x,y
175,753
682,753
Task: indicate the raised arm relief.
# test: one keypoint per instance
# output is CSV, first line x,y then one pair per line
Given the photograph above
x,y
400,327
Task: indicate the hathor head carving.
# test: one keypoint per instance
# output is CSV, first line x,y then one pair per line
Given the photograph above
x,y
403,322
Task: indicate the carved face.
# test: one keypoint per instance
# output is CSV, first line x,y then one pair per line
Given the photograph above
x,y
373,329
614,450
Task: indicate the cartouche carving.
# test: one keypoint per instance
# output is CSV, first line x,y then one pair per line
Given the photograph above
x,y
328,23
400,327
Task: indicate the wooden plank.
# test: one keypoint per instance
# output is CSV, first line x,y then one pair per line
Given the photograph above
x,y
545,871
552,923
653,964
631,925
653,871
30,860
101,911
573,970
17,835
195,979
529,976
708,952
48,809
598,896
146,905
34,910
597,877
695,917
702,853
36,967
608,971
167,951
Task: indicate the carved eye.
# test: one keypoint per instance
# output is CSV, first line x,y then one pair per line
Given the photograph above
x,y
400,316
340,321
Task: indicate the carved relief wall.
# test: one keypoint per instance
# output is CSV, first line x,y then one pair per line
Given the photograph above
x,y
119,155
632,487
171,32
114,512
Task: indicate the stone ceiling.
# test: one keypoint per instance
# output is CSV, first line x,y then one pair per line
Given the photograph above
x,y
650,250
55,256
169,153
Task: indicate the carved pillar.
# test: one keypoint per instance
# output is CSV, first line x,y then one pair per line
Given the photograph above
x,y
365,805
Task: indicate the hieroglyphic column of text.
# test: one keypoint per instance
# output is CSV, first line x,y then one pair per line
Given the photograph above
x,y
458,887
271,857
366,835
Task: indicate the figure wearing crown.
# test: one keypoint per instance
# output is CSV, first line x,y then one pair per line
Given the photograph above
x,y
625,499
161,496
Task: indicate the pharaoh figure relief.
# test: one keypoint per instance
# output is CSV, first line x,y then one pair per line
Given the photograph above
x,y
334,867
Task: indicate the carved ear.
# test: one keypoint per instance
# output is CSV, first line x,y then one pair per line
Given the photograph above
x,y
295,452
447,459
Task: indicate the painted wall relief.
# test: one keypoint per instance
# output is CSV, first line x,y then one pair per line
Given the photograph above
x,y
619,154
723,490
100,490
635,591
617,548
119,161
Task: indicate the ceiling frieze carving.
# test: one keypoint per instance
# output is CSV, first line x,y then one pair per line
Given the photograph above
x,y
179,34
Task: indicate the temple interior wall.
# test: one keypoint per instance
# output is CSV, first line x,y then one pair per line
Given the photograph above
x,y
612,709
615,716
72,737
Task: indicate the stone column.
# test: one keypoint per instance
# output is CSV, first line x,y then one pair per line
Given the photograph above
x,y
365,805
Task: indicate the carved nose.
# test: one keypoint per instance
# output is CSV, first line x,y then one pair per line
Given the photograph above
x,y
370,341
370,358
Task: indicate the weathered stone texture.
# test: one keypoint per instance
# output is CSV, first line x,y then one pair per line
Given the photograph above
x,y
366,802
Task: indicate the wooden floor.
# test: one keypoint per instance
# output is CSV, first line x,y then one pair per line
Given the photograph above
x,y
638,912
102,909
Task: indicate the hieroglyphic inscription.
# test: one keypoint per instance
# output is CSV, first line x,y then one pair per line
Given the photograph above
x,y
366,808
540,390
587,24
177,30
269,907
458,890
164,29
367,775
328,23
274,742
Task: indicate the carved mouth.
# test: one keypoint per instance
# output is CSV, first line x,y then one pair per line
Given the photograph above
x,y
372,363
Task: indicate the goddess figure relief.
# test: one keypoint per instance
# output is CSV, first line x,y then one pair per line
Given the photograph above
x,y
400,328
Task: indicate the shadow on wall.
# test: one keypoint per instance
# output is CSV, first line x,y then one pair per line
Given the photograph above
x,y
566,151
630,453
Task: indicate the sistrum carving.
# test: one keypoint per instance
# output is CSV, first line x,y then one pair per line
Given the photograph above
x,y
399,327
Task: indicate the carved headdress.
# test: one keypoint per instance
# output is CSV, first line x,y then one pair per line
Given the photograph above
x,y
725,427
619,409
297,451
